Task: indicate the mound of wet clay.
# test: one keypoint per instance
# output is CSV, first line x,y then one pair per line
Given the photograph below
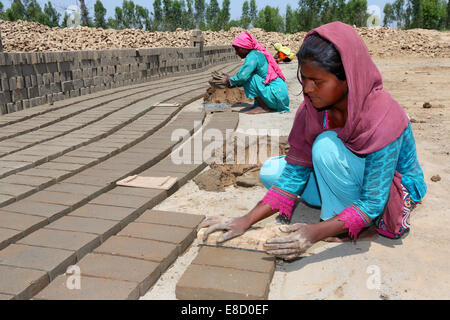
x,y
246,175
227,95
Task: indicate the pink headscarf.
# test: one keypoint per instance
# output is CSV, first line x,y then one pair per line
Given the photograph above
x,y
374,118
247,41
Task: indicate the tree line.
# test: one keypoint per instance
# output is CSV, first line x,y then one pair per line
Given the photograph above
x,y
168,15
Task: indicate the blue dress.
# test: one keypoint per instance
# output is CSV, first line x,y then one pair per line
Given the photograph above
x,y
340,178
252,76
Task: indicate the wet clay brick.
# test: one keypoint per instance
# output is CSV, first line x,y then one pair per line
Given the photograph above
x,y
177,219
21,283
62,198
80,243
90,289
86,190
48,210
124,215
235,258
89,180
121,200
163,253
16,190
22,222
217,283
54,261
138,192
143,273
38,182
8,236
104,228
182,237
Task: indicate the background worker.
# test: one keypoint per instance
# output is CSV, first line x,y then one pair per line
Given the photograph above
x,y
284,54
260,76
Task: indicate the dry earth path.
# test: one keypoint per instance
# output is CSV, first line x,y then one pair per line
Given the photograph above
x,y
415,267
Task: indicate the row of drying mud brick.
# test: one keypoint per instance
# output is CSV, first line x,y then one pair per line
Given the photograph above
x,y
31,79
37,157
26,269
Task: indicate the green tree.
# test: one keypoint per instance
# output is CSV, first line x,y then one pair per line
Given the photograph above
x,y
245,16
2,14
253,11
357,12
99,15
117,21
389,15
309,14
16,11
33,12
167,12
448,15
327,11
200,14
52,14
176,15
129,19
85,20
291,20
434,14
212,15
340,10
188,15
224,15
157,15
270,20
416,14
235,23
143,19
398,6
64,20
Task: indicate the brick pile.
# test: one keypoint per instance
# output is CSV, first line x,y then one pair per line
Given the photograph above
x,y
34,37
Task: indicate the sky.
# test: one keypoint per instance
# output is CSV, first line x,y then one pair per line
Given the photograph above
x,y
236,5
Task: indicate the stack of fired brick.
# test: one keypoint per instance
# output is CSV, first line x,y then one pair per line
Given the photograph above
x,y
33,37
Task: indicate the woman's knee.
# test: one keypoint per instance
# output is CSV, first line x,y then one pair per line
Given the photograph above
x,y
251,87
271,170
326,148
332,158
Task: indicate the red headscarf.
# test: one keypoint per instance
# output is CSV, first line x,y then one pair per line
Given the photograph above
x,y
247,41
374,118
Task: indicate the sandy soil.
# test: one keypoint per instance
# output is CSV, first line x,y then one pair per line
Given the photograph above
x,y
415,267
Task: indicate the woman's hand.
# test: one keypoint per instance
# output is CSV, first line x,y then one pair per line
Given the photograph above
x,y
235,227
220,80
293,245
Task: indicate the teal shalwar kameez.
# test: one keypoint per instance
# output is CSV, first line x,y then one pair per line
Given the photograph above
x,y
252,76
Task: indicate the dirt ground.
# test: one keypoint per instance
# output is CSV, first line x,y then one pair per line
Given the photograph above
x,y
415,267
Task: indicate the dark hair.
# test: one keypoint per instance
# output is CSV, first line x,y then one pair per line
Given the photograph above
x,y
317,49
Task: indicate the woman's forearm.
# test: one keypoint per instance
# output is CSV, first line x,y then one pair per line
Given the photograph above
x,y
325,229
258,213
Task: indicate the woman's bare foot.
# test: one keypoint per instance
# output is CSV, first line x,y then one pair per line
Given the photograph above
x,y
367,234
261,107
257,110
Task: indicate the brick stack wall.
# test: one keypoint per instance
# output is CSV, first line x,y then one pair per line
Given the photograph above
x,y
31,79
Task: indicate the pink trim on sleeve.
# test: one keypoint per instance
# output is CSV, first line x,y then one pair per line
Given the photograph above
x,y
353,221
278,201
